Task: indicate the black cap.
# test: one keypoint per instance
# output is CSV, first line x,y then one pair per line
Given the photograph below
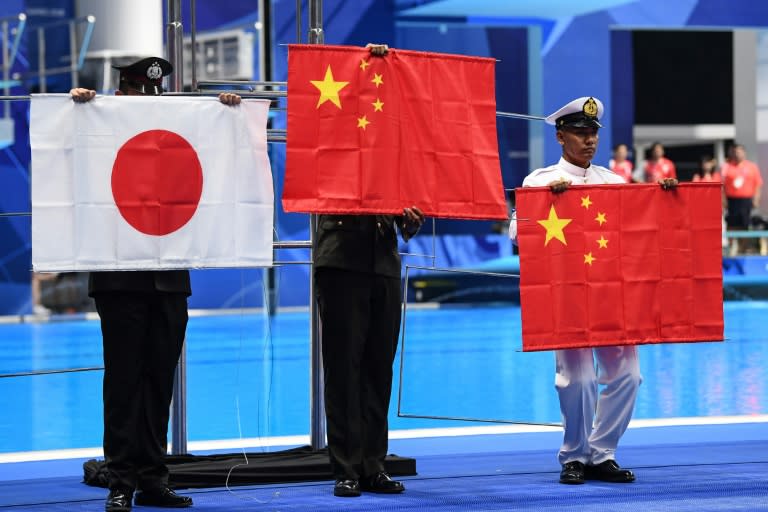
x,y
578,120
145,75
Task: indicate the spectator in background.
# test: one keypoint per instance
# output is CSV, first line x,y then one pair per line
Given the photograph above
x,y
658,167
619,163
742,183
707,170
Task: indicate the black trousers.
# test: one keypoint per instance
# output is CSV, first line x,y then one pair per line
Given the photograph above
x,y
143,334
360,322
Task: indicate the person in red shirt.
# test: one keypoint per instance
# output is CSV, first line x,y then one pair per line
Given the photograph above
x,y
658,167
707,170
742,185
619,163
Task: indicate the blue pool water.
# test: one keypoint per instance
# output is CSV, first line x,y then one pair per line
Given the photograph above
x,y
462,361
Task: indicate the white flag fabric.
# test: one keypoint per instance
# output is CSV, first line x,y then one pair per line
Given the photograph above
x,y
143,183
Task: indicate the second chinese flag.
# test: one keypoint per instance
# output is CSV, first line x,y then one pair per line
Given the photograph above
x,y
620,265
371,134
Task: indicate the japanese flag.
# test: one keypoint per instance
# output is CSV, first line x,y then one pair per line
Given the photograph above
x,y
141,182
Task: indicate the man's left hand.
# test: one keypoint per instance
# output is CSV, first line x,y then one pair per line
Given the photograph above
x,y
229,98
668,183
413,218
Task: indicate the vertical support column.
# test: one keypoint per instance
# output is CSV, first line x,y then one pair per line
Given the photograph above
x,y
745,89
317,405
73,75
175,45
41,60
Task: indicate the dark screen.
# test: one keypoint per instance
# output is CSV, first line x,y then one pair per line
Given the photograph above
x,y
683,77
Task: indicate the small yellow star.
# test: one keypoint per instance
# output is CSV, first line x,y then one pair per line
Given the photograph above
x,y
377,79
603,243
588,258
585,202
554,226
378,105
601,218
362,122
329,88
364,64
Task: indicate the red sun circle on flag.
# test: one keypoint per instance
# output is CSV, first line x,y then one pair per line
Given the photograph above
x,y
157,181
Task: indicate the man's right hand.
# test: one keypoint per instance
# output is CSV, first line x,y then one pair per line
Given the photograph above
x,y
559,186
81,95
377,49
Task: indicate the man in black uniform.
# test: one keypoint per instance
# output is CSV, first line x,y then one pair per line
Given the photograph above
x,y
143,321
357,283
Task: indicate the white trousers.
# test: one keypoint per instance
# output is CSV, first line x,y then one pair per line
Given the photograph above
x,y
593,425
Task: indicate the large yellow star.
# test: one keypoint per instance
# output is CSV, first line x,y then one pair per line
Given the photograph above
x,y
362,122
603,242
329,88
377,79
585,202
601,218
588,258
378,105
554,226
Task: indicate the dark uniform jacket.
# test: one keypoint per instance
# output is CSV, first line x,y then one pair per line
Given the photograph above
x,y
360,243
166,281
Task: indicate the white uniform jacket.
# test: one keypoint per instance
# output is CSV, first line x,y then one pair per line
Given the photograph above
x,y
592,175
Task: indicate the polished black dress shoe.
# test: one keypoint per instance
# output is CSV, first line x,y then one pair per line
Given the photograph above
x,y
609,471
381,483
572,473
162,497
118,501
346,488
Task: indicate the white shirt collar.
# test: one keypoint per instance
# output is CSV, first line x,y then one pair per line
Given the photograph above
x,y
577,171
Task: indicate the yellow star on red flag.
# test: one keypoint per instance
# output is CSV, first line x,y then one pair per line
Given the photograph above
x,y
554,226
329,88
601,218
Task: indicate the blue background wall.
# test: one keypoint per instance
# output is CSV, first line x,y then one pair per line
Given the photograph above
x,y
580,54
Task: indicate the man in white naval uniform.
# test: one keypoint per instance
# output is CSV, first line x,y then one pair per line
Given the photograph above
x,y
592,425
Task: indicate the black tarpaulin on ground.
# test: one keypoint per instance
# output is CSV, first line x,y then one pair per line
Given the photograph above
x,y
295,465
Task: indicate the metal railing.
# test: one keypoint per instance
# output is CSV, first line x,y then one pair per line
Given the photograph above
x,y
76,55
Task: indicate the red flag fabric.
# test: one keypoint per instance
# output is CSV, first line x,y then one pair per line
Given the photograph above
x,y
371,134
620,265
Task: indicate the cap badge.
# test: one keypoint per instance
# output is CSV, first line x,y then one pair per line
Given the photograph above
x,y
155,72
590,107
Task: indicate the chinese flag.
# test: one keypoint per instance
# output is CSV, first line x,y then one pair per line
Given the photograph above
x,y
620,265
371,134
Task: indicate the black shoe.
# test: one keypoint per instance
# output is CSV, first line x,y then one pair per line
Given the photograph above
x,y
609,471
572,473
381,483
346,488
118,501
162,497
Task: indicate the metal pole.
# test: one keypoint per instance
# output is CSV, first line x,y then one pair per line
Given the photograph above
x,y
193,32
41,60
264,34
73,53
317,406
175,44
